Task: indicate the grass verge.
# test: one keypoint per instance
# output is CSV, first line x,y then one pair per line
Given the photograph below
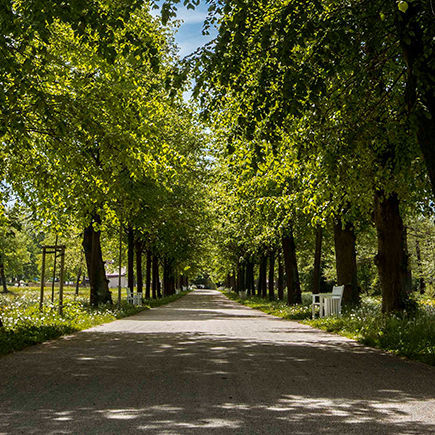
x,y
24,324
412,336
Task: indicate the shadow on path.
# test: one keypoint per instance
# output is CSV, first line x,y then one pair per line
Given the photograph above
x,y
238,374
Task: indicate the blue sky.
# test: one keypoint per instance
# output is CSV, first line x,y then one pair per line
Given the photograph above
x,y
189,36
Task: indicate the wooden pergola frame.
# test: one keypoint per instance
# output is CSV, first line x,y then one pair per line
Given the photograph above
x,y
58,251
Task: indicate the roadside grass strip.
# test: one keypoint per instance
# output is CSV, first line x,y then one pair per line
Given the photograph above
x,y
411,335
24,324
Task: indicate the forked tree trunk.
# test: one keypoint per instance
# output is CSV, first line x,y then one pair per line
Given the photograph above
x,y
148,276
139,274
345,260
294,295
280,279
391,260
271,284
100,293
317,270
2,275
130,258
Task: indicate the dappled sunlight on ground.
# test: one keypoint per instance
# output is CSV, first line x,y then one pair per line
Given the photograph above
x,y
223,369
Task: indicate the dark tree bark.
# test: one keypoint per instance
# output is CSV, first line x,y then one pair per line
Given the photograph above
x,y
3,276
130,258
155,269
168,277
78,281
139,276
317,271
391,260
409,272
148,276
416,28
422,284
159,285
345,260
238,277
250,277
271,284
100,293
262,281
280,279
294,295
233,281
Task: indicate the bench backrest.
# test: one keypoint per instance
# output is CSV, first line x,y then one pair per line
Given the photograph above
x,y
338,290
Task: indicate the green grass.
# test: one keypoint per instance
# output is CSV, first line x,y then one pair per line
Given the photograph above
x,y
412,336
24,324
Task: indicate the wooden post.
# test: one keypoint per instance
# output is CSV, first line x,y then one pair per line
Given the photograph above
x,y
54,269
119,266
41,300
62,265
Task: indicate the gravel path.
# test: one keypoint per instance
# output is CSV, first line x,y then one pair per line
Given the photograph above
x,y
204,364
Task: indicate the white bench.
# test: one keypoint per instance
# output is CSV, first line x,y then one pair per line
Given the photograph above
x,y
134,299
329,303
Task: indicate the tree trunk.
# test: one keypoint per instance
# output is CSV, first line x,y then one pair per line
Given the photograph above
x,y
294,295
100,293
2,276
280,279
262,282
271,284
139,275
250,277
233,281
416,40
78,281
155,269
130,258
159,285
391,260
317,271
408,267
345,260
422,284
148,276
